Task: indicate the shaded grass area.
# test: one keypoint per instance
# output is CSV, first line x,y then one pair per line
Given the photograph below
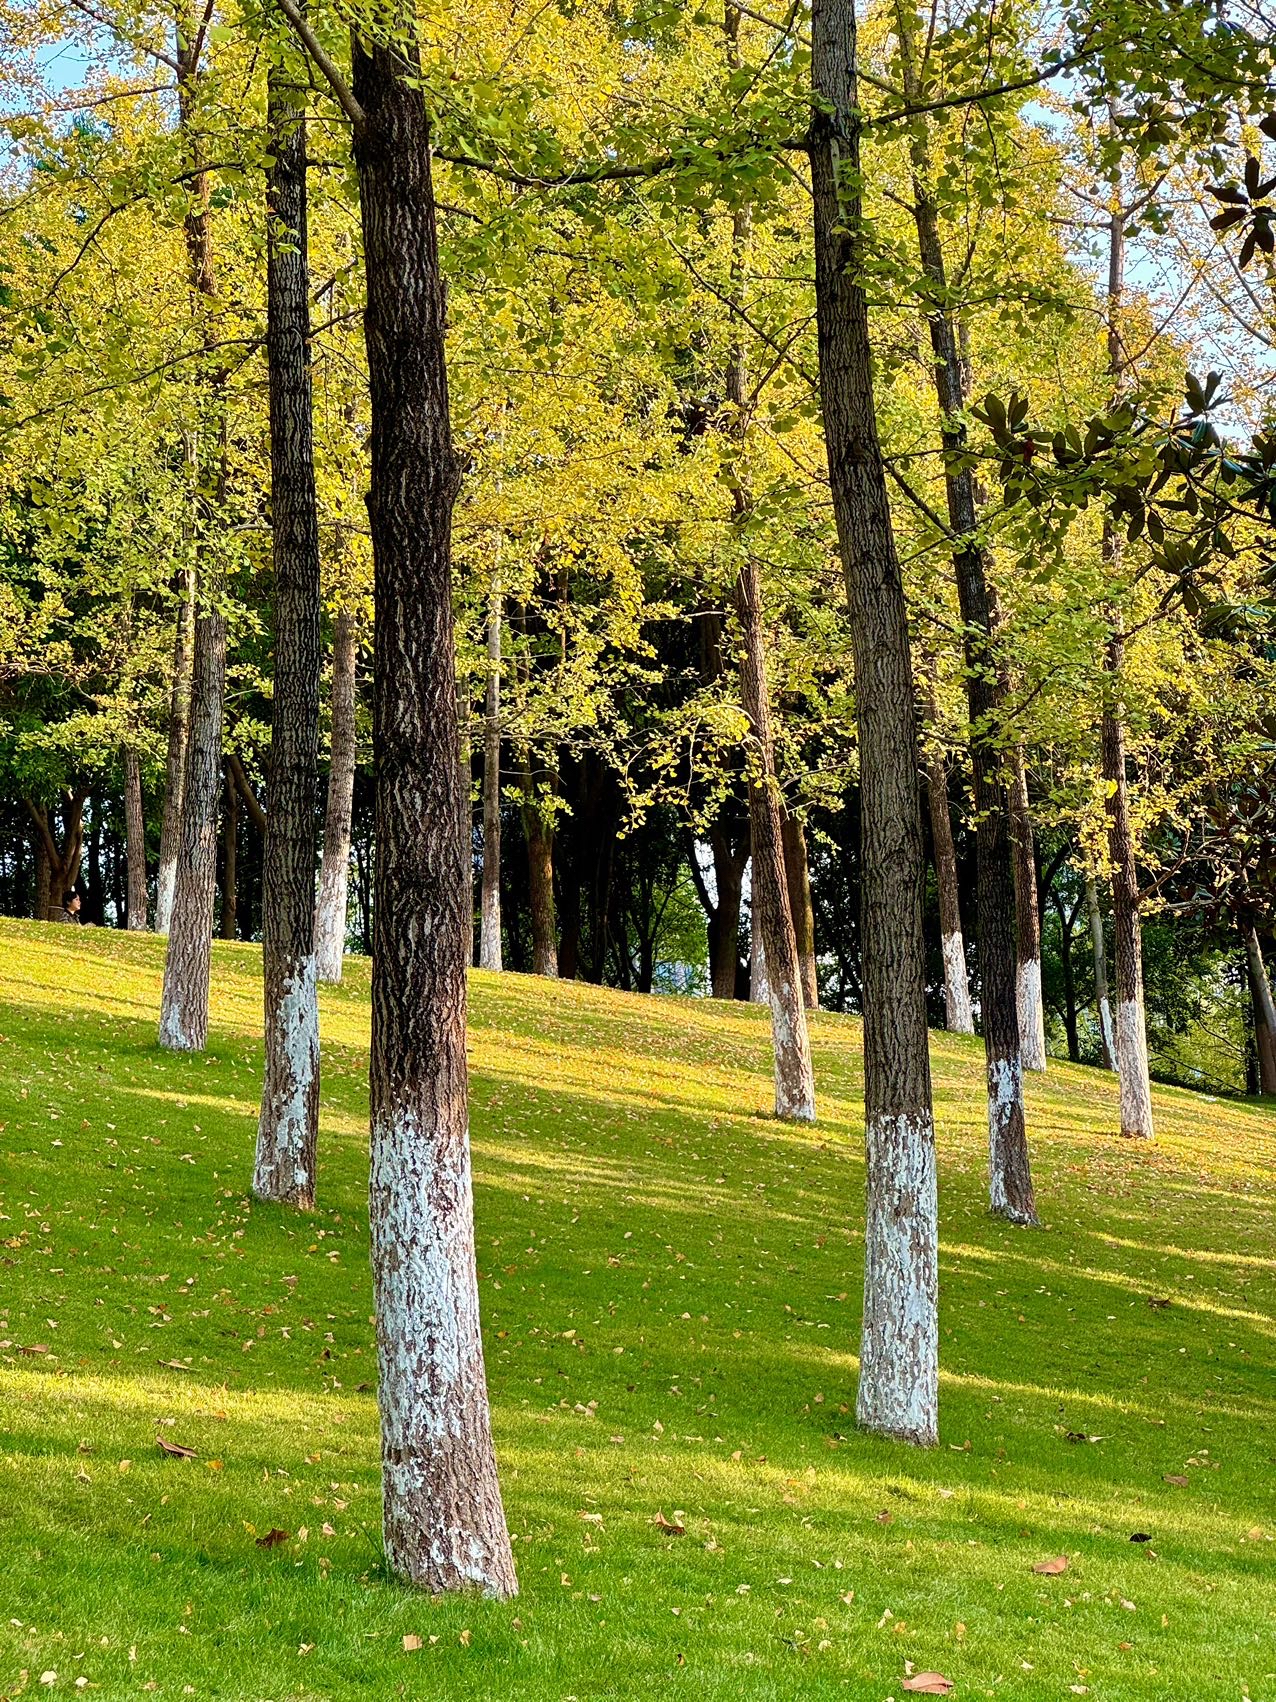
x,y
670,1284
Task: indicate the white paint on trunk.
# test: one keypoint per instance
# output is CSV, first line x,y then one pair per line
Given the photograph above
x,y
759,987
330,918
172,1026
1105,1026
791,1043
899,1352
1132,1064
165,881
961,1018
431,1388
1032,1018
292,1070
490,928
1005,1095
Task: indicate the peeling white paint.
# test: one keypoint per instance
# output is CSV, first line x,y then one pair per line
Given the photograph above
x,y
791,1044
961,1018
899,1352
283,1167
432,1392
759,984
1032,1019
330,920
165,882
1105,1027
1132,1064
1005,1095
172,1031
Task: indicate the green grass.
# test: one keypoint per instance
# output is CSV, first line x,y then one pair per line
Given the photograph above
x,y
670,1285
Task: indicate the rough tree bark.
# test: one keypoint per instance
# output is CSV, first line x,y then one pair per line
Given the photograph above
x,y
334,875
58,868
43,878
1010,1190
183,1022
899,1351
1032,1016
490,898
798,871
288,1127
175,771
957,1007
1099,950
134,841
443,1520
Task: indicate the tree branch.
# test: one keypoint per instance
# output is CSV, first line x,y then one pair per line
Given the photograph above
x,y
336,82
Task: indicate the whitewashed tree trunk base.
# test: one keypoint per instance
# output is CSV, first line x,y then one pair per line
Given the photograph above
x,y
1132,1064
899,1353
1032,1022
285,1163
957,1006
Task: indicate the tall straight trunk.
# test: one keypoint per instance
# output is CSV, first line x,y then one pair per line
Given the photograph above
x,y
135,841
175,771
1010,1190
539,832
490,903
334,876
1264,1010
957,1008
729,863
1127,928
43,880
1102,1004
183,1022
777,972
798,871
288,1127
230,859
899,1350
465,765
1067,919
443,1520
759,987
1032,1017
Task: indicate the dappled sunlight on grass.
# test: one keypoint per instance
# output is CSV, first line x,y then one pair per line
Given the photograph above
x,y
671,1287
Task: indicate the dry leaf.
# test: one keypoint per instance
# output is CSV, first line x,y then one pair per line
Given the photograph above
x,y
410,1642
1052,1568
464,1639
272,1539
1176,1478
928,1684
175,1449
669,1526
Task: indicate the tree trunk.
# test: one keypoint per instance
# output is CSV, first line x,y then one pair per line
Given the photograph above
x,y
184,1003
899,1352
540,879
759,988
1264,1010
465,765
490,919
175,772
59,868
1066,920
43,879
1102,1005
288,1127
334,876
798,872
724,921
1127,931
444,1524
1032,1019
135,841
230,858
1010,1188
957,1008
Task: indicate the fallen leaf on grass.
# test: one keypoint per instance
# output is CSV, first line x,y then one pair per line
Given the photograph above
x,y
272,1539
175,1449
1080,1436
1140,1536
928,1684
410,1642
1177,1479
670,1527
1156,1300
1052,1568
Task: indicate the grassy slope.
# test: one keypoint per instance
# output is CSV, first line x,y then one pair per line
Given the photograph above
x,y
670,1289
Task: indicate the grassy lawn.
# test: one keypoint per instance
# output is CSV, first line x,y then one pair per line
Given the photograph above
x,y
670,1284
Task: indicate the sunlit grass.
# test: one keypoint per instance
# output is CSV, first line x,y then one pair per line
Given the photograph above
x,y
671,1299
